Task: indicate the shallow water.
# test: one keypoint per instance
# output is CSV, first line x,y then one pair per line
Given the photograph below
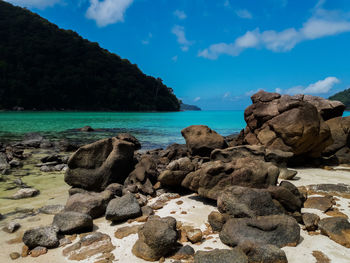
x,y
156,129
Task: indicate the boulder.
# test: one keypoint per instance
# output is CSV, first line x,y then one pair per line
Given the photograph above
x,y
213,177
175,151
278,230
144,175
194,235
70,222
240,202
263,253
328,109
289,200
38,251
217,220
185,252
176,171
310,221
157,238
201,140
25,193
337,229
319,202
90,203
32,140
11,227
235,255
286,123
41,236
94,166
129,138
123,208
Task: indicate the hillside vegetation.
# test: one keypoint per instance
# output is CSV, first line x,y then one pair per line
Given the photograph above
x,y
47,68
343,96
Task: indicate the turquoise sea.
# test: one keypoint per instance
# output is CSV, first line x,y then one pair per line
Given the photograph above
x,y
153,129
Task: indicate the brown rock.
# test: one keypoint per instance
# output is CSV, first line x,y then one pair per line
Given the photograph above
x,y
217,220
126,231
38,251
311,221
14,255
320,257
320,203
337,229
194,235
25,251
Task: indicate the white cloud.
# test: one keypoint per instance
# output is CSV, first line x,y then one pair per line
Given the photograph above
x,y
107,11
174,58
227,94
197,99
35,3
147,40
180,14
319,87
244,13
323,23
179,32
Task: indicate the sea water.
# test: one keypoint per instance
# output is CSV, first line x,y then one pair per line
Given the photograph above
x,y
153,129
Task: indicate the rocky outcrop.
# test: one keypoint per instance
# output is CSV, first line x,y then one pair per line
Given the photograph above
x,y
176,171
70,222
41,236
328,109
201,140
287,123
157,238
90,203
278,230
213,177
242,202
337,229
94,166
123,208
340,130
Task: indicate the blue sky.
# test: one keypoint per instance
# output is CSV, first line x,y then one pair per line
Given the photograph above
x,y
216,53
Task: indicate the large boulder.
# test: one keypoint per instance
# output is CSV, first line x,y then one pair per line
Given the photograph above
x,y
201,140
328,109
123,208
94,166
235,255
41,236
157,238
278,230
32,140
240,201
176,171
91,203
287,123
213,177
337,229
70,222
263,253
340,130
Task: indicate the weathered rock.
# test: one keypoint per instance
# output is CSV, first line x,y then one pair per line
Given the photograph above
x,y
129,138
51,209
240,201
319,202
14,255
91,203
217,220
86,129
11,227
32,140
201,140
123,208
25,193
287,123
287,174
147,211
157,237
213,177
3,162
278,230
194,235
286,198
144,175
176,171
41,236
337,189
96,165
337,229
185,252
125,231
228,154
310,221
175,151
88,246
70,222
235,255
115,189
263,253
328,109
38,251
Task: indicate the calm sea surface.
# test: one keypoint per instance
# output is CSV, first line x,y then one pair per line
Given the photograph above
x,y
152,129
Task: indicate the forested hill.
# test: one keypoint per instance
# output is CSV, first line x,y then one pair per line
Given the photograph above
x,y
47,68
343,96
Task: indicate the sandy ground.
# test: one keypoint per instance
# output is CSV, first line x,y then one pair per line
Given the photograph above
x,y
197,211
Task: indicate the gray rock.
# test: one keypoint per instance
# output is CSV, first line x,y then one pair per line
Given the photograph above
x,y
264,253
235,255
70,222
12,227
3,162
51,209
41,236
32,140
337,229
310,221
123,208
278,230
25,193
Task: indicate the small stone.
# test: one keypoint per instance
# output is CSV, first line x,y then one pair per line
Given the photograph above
x,y
25,251
157,186
183,212
126,231
14,255
179,202
38,251
311,221
64,242
123,208
12,227
216,220
185,252
25,193
147,211
194,235
320,257
320,203
157,205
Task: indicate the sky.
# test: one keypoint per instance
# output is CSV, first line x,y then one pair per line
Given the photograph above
x,y
217,53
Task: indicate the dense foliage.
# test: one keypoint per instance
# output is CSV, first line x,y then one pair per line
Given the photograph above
x,y
46,68
188,107
343,96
